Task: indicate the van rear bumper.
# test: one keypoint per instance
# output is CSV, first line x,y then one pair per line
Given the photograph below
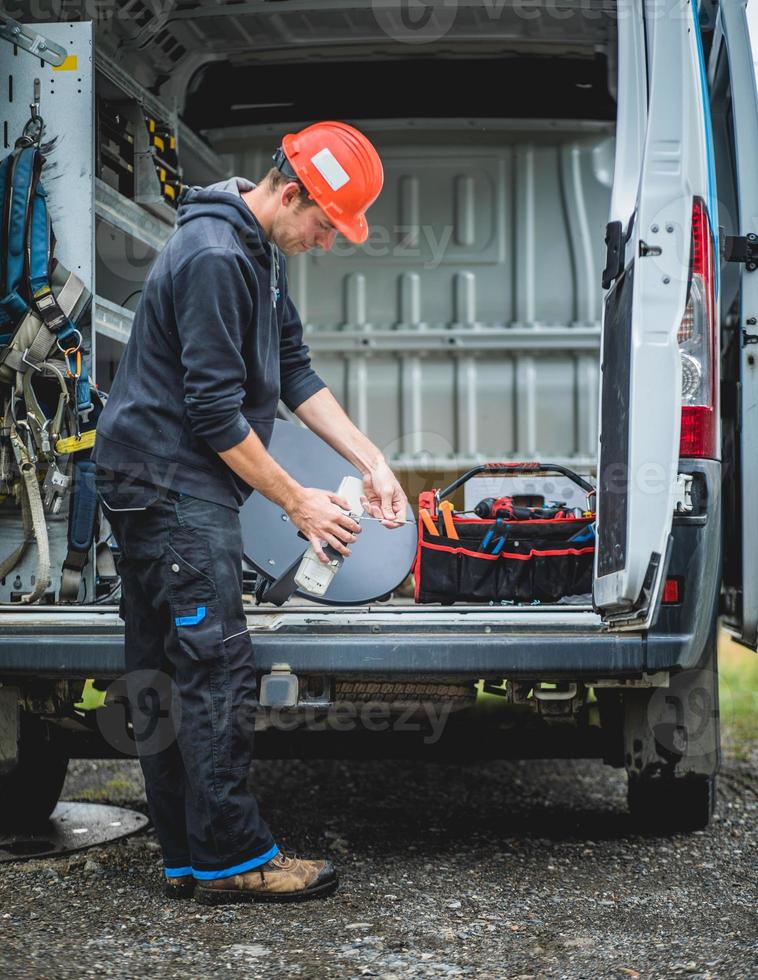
x,y
565,644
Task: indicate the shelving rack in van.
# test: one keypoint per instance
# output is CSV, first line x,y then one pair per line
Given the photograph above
x,y
131,230
105,236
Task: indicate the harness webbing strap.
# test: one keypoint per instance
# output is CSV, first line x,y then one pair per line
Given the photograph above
x,y
35,527
9,563
70,293
42,576
44,338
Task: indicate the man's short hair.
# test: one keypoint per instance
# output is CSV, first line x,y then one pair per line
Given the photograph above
x,y
276,179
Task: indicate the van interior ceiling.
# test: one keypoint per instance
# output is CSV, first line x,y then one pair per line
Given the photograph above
x,y
516,87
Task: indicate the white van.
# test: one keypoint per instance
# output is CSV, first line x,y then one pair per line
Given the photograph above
x,y
563,271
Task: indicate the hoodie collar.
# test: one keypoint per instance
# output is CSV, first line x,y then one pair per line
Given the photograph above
x,y
223,200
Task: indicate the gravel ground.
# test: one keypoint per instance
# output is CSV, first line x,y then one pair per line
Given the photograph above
x,y
512,870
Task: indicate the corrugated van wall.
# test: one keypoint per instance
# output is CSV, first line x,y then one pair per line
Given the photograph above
x,y
467,327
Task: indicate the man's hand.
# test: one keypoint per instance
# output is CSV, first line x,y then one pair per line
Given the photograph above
x,y
383,495
317,513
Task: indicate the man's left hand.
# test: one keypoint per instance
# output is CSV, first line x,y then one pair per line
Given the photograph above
x,y
383,496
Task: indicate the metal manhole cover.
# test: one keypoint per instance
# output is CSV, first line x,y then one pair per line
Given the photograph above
x,y
72,827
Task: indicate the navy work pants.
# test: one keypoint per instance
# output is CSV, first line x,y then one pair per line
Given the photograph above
x,y
190,676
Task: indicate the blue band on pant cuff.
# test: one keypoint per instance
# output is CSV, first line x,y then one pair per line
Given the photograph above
x,y
237,869
177,872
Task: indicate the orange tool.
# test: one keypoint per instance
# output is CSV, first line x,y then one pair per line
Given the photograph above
x,y
446,508
428,522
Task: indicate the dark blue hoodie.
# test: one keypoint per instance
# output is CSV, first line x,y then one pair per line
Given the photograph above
x,y
216,342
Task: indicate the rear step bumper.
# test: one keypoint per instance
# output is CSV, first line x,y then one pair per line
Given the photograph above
x,y
368,641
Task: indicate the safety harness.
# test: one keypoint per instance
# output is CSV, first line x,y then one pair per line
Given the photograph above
x,y
49,410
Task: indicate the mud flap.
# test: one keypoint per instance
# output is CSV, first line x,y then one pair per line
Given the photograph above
x,y
673,732
9,729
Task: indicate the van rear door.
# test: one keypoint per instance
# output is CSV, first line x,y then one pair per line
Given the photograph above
x,y
734,103
640,400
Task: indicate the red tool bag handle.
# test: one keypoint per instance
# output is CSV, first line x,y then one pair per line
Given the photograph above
x,y
510,468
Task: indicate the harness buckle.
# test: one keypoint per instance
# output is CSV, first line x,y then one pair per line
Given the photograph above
x,y
54,488
31,364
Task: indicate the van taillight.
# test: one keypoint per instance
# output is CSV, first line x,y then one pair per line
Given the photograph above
x,y
697,345
672,592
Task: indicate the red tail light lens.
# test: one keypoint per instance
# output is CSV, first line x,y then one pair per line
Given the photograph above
x,y
672,592
697,346
698,434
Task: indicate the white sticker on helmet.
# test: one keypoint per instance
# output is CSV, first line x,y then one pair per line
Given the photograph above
x,y
330,169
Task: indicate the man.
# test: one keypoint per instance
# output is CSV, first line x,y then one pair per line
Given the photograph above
x,y
182,441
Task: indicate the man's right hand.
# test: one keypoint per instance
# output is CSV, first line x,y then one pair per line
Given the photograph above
x,y
318,515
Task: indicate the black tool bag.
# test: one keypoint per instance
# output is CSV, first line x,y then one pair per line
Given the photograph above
x,y
542,559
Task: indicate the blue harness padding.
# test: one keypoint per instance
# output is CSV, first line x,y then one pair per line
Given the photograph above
x,y
15,171
83,506
26,254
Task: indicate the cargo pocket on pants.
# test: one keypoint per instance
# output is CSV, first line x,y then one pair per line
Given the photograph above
x,y
194,602
199,631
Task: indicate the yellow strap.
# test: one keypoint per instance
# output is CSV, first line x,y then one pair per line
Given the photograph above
x,y
73,445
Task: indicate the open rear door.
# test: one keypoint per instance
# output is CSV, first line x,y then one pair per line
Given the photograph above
x,y
735,108
640,401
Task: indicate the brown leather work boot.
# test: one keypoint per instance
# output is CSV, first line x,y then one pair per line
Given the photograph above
x,y
182,886
282,879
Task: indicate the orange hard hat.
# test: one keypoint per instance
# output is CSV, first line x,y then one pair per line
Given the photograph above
x,y
341,171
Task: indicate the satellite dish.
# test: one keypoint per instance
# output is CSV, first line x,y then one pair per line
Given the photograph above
x,y
381,557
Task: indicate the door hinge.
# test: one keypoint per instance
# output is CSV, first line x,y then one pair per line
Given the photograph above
x,y
683,501
615,247
742,249
749,338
